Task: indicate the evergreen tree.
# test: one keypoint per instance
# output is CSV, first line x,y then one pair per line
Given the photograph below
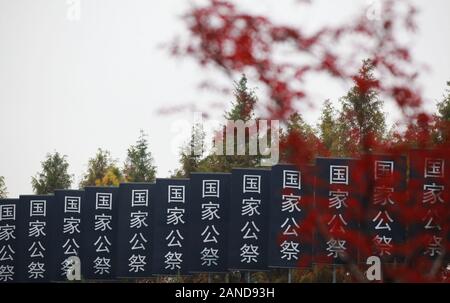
x,y
3,189
328,129
361,123
192,153
442,132
54,175
139,163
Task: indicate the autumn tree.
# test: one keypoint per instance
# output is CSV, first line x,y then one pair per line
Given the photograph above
x,y
102,171
139,166
54,175
3,189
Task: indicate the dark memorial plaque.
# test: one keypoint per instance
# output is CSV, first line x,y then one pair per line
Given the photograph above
x,y
8,240
429,188
208,215
67,237
338,204
290,221
135,230
385,202
171,227
99,229
34,233
249,222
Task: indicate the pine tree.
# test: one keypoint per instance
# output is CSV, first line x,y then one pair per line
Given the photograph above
x,y
54,175
192,153
139,166
361,122
442,132
328,128
3,189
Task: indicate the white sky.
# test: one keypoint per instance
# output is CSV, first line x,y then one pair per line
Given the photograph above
x,y
73,87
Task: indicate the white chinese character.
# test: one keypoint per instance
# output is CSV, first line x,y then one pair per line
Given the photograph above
x,y
7,212
72,205
138,241
6,273
173,260
175,238
38,208
249,253
136,263
209,211
7,232
289,250
65,266
102,244
36,270
36,229
36,250
291,179
251,230
432,193
434,168
382,196
434,247
210,188
290,229
139,197
384,169
71,225
290,203
252,184
176,193
335,247
383,245
383,219
209,256
138,219
337,199
103,201
102,222
338,174
102,265
7,253
250,207
175,216
71,247
429,218
340,224
210,235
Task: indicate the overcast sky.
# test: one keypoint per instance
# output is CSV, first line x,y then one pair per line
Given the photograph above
x,y
74,86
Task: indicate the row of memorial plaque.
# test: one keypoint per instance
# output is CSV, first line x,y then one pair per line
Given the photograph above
x,y
250,219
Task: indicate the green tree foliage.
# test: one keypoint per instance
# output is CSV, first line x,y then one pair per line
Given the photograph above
x,y
243,109
361,121
102,171
139,166
3,189
442,132
54,175
192,153
328,129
